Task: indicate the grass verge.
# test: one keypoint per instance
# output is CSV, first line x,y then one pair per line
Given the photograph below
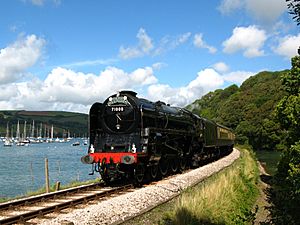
x,y
225,198
52,189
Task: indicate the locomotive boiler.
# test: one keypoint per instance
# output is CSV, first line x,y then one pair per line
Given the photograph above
x,y
134,138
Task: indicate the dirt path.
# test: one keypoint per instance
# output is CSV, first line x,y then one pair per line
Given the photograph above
x,y
263,214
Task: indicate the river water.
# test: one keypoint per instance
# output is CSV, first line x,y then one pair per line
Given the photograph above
x,y
22,168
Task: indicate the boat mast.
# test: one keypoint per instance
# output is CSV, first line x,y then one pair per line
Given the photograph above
x,y
25,129
32,129
52,132
18,131
7,131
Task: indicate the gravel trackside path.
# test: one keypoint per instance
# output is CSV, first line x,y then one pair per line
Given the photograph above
x,y
118,209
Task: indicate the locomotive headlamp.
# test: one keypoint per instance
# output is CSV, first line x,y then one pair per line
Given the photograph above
x,y
133,149
146,132
144,149
125,98
92,149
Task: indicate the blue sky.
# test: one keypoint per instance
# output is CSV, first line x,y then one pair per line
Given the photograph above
x,y
65,55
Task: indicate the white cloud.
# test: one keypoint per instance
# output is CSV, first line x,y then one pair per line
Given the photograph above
x,y
8,91
184,37
168,43
144,47
265,12
209,79
90,63
142,77
206,80
145,42
180,39
221,67
250,40
237,77
288,46
200,43
65,89
16,58
159,65
130,52
42,2
64,85
228,6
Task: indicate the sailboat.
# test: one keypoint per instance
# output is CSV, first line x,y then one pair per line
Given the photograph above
x,y
39,135
32,139
50,140
7,141
19,141
69,138
22,141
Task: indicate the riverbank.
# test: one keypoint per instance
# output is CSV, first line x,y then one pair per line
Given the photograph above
x,y
22,169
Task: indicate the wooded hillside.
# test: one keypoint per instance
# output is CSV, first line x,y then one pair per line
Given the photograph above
x,y
63,122
247,109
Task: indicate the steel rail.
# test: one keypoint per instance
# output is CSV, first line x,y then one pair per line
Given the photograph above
x,y
47,196
23,217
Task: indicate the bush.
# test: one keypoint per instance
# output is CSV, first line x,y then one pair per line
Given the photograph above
x,y
286,192
287,188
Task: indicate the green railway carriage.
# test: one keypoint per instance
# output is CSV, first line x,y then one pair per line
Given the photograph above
x,y
216,135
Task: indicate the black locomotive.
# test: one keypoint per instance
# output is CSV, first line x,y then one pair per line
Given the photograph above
x,y
135,138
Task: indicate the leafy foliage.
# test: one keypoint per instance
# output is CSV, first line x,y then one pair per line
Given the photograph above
x,y
287,180
288,109
286,191
248,110
294,7
265,113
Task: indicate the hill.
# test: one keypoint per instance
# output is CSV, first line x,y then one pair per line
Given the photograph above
x,y
63,122
247,109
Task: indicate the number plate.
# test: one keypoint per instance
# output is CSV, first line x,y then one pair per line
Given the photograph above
x,y
117,109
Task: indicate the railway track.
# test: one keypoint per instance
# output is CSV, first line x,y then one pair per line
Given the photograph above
x,y
22,210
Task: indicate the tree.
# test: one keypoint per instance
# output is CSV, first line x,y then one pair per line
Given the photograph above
x,y
286,193
287,179
294,9
288,109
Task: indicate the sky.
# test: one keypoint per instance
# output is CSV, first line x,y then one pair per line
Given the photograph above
x,y
65,55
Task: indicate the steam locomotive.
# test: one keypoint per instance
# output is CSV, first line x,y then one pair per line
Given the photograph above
x,y
134,138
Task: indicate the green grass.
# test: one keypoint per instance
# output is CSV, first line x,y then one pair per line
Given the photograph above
x,y
225,198
52,189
